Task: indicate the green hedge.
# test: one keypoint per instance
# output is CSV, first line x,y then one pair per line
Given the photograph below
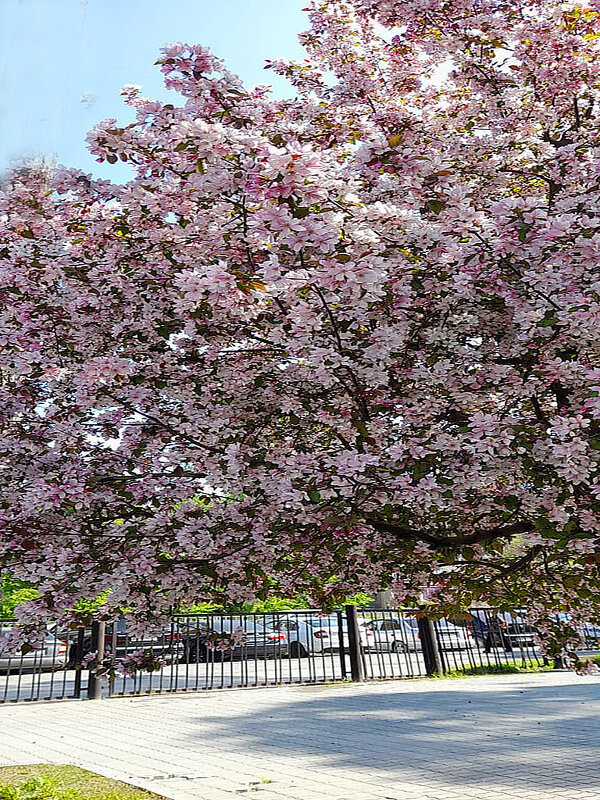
x,y
13,593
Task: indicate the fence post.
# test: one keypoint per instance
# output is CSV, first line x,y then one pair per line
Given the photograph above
x,y
357,670
113,656
77,661
431,653
97,645
342,644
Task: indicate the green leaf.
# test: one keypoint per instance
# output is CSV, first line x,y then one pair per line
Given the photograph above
x,y
314,495
436,206
511,502
549,319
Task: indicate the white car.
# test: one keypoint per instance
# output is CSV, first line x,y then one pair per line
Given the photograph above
x,y
401,635
51,655
452,637
316,634
591,634
393,634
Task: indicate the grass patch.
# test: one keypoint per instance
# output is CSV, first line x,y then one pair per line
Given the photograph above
x,y
496,669
52,782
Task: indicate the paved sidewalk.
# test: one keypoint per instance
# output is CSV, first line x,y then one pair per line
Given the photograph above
x,y
529,737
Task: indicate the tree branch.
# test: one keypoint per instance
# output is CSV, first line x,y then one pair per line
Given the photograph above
x,y
478,537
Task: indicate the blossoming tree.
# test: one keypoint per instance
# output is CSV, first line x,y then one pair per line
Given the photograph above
x,y
320,344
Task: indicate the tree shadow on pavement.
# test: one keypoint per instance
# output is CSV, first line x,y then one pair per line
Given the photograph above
x,y
535,737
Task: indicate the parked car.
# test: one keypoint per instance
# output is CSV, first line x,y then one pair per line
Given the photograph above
x,y
591,634
501,629
51,655
401,635
261,639
452,637
449,636
589,631
393,634
195,634
310,634
486,628
118,643
520,633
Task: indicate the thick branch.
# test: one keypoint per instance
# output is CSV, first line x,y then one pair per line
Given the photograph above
x,y
478,537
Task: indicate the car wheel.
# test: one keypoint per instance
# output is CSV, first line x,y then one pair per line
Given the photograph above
x,y
297,650
399,647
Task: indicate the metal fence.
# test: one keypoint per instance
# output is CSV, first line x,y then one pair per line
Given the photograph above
x,y
46,673
405,645
285,647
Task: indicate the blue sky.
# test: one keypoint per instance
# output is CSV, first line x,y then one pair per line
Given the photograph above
x,y
63,62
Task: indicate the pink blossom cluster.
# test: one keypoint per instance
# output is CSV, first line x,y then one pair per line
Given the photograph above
x,y
226,642
139,661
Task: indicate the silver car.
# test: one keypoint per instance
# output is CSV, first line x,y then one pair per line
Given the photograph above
x,y
51,655
452,637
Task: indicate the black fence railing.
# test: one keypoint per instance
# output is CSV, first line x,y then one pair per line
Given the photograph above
x,y
54,671
277,648
280,648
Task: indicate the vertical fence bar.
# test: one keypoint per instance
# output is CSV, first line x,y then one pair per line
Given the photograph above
x,y
342,645
94,681
357,670
113,656
77,662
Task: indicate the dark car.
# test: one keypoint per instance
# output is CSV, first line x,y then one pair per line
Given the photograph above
x,y
495,629
196,637
260,640
118,643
